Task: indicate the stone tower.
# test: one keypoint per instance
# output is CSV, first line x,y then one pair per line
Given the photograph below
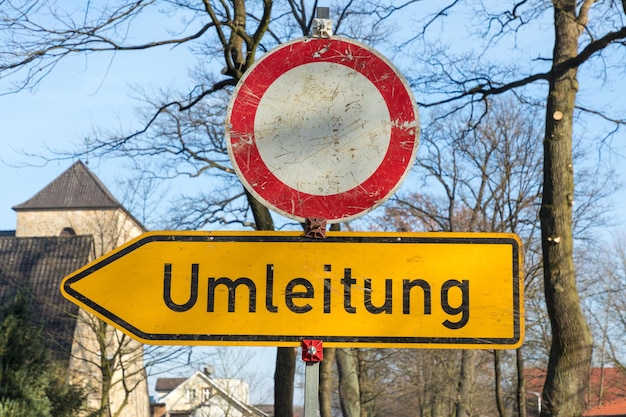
x,y
77,203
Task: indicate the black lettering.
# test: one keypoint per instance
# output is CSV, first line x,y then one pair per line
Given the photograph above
x,y
327,287
167,289
406,295
347,282
269,289
232,286
290,294
386,307
461,309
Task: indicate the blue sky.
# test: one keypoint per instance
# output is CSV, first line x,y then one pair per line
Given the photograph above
x,y
83,93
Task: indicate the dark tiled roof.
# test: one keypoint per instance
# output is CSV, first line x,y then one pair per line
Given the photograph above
x,y
38,264
76,188
168,384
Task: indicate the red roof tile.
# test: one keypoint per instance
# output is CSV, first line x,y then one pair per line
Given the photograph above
x,y
607,390
616,409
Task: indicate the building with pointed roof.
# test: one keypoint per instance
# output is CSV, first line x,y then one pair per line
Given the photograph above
x,y
76,188
201,395
77,202
67,224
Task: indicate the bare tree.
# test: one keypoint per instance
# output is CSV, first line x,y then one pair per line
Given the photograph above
x,y
326,386
109,366
349,392
480,179
604,278
36,35
577,39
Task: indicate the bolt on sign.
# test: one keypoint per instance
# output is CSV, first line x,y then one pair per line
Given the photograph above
x,y
435,290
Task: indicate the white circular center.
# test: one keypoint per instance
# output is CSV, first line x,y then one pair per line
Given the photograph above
x,y
322,128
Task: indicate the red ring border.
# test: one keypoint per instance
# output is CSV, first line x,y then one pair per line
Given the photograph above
x,y
288,201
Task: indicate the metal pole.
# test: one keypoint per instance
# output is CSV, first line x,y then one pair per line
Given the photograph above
x,y
312,355
311,389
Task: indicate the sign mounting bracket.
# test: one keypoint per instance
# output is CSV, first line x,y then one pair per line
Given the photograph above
x,y
312,355
315,228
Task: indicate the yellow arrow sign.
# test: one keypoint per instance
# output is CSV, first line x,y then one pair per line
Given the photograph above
x,y
445,290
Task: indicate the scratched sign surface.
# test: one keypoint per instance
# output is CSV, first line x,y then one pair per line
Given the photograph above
x,y
426,290
322,128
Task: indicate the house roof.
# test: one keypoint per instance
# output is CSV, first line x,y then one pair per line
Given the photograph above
x,y
607,390
608,385
163,383
76,188
298,411
168,384
37,265
617,409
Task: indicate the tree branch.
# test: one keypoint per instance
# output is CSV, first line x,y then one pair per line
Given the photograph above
x,y
556,71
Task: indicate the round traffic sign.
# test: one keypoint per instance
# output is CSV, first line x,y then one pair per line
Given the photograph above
x,y
323,128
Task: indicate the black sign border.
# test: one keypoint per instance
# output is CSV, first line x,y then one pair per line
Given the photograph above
x,y
260,340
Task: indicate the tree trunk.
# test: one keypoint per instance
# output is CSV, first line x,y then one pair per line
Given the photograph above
x,y
466,381
106,369
570,351
349,393
262,216
326,369
284,381
521,383
285,371
326,383
498,383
